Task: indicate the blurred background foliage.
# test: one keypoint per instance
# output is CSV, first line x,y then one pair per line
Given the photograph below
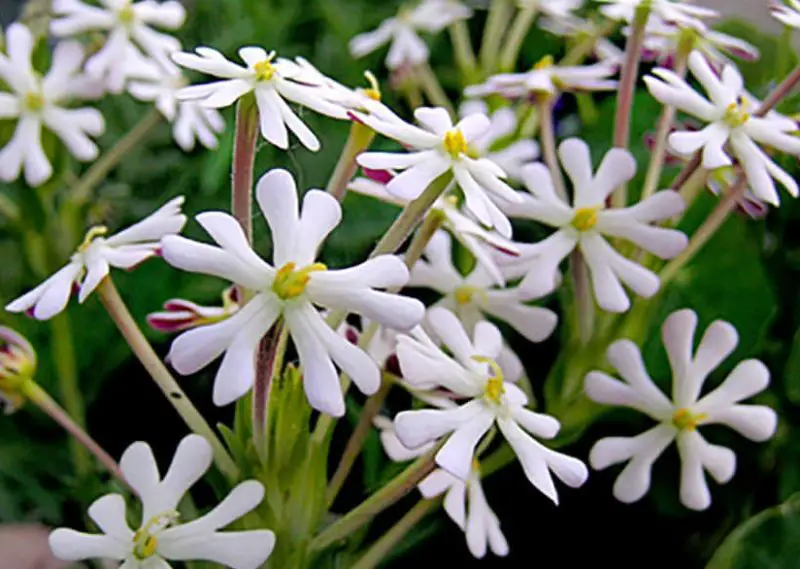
x,y
748,275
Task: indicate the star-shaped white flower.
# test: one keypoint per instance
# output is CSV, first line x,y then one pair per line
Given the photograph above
x,y
787,13
160,537
584,224
679,418
37,102
94,258
439,147
669,10
473,373
466,504
663,40
402,31
464,229
503,124
548,79
273,81
289,290
191,121
129,25
473,297
728,110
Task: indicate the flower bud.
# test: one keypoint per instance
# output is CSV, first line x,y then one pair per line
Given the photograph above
x,y
17,366
179,314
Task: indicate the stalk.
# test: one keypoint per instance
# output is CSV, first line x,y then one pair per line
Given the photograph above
x,y
269,364
516,37
584,301
462,50
493,32
432,88
358,141
548,139
109,296
244,153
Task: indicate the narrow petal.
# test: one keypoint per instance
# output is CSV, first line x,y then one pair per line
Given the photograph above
x,y
457,454
416,428
236,549
276,193
71,545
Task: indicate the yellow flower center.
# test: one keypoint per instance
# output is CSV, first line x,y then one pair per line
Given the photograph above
x,y
91,235
34,102
684,419
737,114
585,218
126,15
374,90
496,384
455,144
544,63
264,69
291,282
145,542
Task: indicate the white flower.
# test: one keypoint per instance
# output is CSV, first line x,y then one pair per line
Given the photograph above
x,y
360,99
669,10
472,297
272,81
37,101
392,446
478,521
584,224
128,23
289,290
604,49
437,148
91,263
547,78
503,124
466,231
728,110
160,536
191,121
473,373
679,418
407,48
557,9
663,40
786,14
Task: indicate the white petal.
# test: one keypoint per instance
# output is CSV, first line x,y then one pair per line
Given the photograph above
x,y
456,456
535,323
276,194
411,183
531,455
271,120
71,545
321,214
50,297
435,119
108,513
416,428
236,549
195,257
696,454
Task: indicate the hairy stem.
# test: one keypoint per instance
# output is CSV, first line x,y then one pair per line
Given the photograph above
x,y
39,397
547,135
584,301
109,295
358,141
244,153
63,348
269,364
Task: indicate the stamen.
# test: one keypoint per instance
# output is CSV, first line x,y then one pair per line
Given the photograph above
x,y
736,114
585,218
145,540
91,235
264,69
544,63
290,283
126,15
374,91
34,102
495,385
465,294
455,144
684,419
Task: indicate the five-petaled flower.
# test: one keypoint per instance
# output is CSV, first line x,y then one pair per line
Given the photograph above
x,y
91,263
40,101
273,81
439,147
584,224
160,536
289,290
733,123
473,373
128,24
402,31
679,419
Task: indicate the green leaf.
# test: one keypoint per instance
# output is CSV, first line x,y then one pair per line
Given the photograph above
x,y
770,539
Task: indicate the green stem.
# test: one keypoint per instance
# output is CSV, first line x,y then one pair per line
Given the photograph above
x,y
381,548
63,348
244,153
109,295
269,364
463,52
8,209
358,140
432,88
704,233
82,190
493,32
376,503
584,300
584,47
627,87
781,91
39,397
548,138
516,37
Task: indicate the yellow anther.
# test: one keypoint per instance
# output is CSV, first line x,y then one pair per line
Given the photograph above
x,y
291,282
463,294
264,69
685,419
34,102
544,63
374,90
736,113
455,144
145,542
91,235
585,218
476,466
496,384
126,15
